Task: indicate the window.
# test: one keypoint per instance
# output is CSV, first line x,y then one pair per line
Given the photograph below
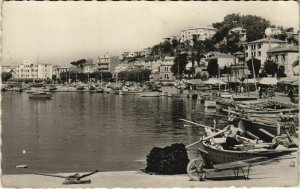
x,y
246,47
283,57
259,46
259,54
276,58
246,54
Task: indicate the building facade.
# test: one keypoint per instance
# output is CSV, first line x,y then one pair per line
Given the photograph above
x,y
107,63
200,33
165,73
240,31
258,49
34,71
285,55
57,70
223,59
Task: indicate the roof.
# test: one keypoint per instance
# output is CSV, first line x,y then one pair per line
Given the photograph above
x,y
268,81
267,40
214,81
220,55
284,48
238,53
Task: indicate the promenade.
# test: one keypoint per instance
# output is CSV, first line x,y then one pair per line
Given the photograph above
x,y
278,173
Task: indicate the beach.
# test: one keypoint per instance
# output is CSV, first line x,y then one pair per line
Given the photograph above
x,y
278,173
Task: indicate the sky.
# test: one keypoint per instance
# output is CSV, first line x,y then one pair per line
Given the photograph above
x,y
61,32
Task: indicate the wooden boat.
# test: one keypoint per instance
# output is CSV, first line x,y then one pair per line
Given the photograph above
x,y
40,95
173,95
214,141
218,155
99,90
150,94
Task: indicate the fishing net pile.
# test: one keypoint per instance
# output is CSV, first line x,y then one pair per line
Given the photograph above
x,y
169,160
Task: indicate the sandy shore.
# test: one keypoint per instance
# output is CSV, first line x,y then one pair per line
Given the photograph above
x,y
278,173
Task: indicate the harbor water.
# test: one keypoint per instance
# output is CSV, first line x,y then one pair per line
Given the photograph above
x,y
82,131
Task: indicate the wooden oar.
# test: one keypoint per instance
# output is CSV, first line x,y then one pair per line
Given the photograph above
x,y
209,137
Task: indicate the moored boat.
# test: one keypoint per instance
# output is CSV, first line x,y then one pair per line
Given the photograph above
x,y
40,95
150,94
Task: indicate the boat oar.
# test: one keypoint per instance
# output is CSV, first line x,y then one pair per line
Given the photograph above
x,y
209,137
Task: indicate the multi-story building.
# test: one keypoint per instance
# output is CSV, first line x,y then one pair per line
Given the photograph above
x,y
107,63
57,70
200,33
285,55
89,67
258,49
165,73
34,71
240,31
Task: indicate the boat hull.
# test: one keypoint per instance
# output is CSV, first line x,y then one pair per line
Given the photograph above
x,y
225,156
40,96
150,94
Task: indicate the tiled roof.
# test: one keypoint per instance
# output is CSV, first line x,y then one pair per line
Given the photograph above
x,y
267,40
284,48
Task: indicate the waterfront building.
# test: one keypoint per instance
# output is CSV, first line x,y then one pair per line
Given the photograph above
x,y
107,63
240,31
285,55
258,48
34,71
89,67
165,73
9,69
222,59
200,33
57,70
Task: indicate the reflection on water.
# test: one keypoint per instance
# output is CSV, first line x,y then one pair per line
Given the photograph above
x,y
86,131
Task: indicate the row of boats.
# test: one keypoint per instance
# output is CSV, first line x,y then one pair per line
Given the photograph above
x,y
266,129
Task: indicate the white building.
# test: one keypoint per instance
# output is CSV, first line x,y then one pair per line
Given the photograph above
x,y
200,33
57,70
34,71
107,63
285,55
165,73
223,59
240,31
258,49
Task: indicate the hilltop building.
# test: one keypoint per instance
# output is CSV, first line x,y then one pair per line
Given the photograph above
x,y
200,33
240,31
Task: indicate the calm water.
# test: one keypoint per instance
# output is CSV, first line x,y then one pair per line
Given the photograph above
x,y
87,131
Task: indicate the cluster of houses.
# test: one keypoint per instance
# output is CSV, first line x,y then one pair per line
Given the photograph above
x,y
283,53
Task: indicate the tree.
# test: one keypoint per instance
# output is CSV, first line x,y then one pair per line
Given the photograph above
x,y
280,71
136,75
213,67
270,67
254,26
256,64
6,76
179,64
79,63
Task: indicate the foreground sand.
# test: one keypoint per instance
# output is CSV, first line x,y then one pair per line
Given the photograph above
x,y
278,174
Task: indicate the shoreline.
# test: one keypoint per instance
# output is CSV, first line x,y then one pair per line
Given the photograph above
x,y
276,174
